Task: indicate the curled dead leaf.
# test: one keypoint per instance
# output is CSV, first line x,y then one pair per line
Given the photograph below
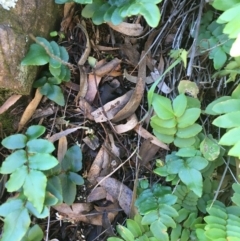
x,y
117,190
32,106
132,121
133,102
86,108
130,29
107,68
84,212
146,135
97,194
9,102
92,87
109,110
97,165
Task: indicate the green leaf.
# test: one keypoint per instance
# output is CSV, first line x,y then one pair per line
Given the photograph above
x,y
162,106
72,159
192,178
167,221
13,161
125,233
98,16
150,217
40,82
34,188
35,131
40,146
15,141
174,166
35,233
186,152
235,151
236,92
134,228
42,161
210,149
36,56
164,138
219,58
114,239
164,123
159,231
16,225
75,178
196,162
16,179
179,105
228,120
54,81
151,13
163,130
68,189
54,187
54,93
223,5
90,9
231,137
229,14
227,106
189,131
56,52
209,109
56,72
184,142
10,206
189,117
43,214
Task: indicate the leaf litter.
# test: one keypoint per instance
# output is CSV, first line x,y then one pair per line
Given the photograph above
x,y
133,56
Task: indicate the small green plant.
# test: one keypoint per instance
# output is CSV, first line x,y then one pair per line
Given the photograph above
x,y
175,121
115,11
228,108
45,52
211,39
185,165
38,180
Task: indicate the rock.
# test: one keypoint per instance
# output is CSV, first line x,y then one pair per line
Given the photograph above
x,y
38,17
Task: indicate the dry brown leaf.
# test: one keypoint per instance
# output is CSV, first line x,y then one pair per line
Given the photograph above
x,y
132,121
9,102
105,48
60,134
83,84
91,141
97,165
133,79
32,106
86,108
133,102
107,68
68,15
75,208
130,29
97,194
117,190
72,85
84,212
62,148
147,151
111,108
146,135
92,87
39,113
